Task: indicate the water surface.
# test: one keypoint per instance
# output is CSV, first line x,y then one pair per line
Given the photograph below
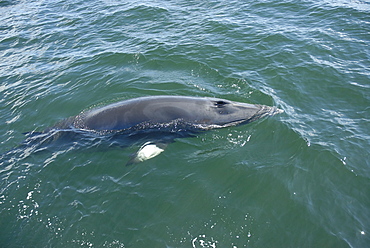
x,y
300,179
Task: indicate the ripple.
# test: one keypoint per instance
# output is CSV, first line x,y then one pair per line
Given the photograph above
x,y
307,168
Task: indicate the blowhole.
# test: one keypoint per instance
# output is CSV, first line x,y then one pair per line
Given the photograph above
x,y
220,103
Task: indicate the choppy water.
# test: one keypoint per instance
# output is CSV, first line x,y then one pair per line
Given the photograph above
x,y
301,179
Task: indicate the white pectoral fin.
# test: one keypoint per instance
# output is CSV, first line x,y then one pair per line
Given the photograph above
x,y
147,151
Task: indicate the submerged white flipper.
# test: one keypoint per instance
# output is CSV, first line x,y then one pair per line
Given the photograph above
x,y
147,151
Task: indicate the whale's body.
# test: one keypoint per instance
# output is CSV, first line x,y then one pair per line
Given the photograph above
x,y
158,120
159,111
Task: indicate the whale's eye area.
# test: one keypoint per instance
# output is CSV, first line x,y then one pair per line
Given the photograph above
x,y
220,103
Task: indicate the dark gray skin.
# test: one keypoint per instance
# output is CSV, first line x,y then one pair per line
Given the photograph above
x,y
154,121
195,112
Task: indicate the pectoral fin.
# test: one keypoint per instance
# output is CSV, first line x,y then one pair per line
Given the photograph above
x,y
147,151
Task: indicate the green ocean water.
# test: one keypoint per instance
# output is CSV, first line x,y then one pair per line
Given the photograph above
x,y
298,179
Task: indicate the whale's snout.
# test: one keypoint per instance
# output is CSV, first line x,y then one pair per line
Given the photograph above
x,y
266,111
274,111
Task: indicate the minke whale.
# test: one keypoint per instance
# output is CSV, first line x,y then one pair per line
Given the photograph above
x,y
155,121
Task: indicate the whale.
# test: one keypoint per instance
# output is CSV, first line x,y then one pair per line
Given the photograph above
x,y
155,121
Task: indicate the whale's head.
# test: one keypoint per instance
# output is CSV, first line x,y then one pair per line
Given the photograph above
x,y
224,113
